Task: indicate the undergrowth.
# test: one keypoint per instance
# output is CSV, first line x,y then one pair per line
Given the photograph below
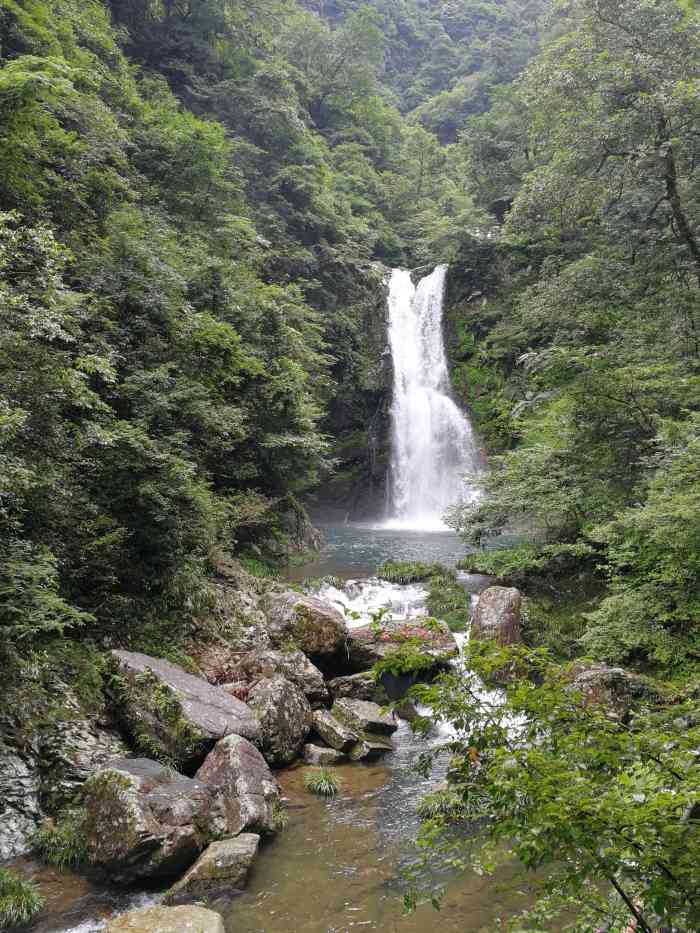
x,y
20,900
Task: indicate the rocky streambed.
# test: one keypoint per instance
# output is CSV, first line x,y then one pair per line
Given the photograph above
x,y
173,783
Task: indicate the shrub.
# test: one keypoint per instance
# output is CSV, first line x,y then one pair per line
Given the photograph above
x,y
406,571
323,782
407,658
443,805
19,900
449,601
62,842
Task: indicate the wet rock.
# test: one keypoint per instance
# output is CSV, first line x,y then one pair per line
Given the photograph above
x,y
334,732
497,616
244,789
407,711
238,689
72,748
285,718
363,716
318,755
308,623
20,810
220,871
145,820
367,645
185,919
179,715
360,686
48,747
370,746
291,664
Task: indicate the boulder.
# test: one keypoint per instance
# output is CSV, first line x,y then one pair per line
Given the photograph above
x,y
291,664
305,622
186,919
363,717
370,746
285,718
318,755
333,732
497,616
245,792
368,644
177,715
610,687
220,871
145,821
360,686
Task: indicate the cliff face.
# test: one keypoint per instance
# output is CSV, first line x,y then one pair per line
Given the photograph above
x,y
358,418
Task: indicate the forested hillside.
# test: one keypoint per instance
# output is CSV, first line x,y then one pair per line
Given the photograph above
x,y
199,200
195,201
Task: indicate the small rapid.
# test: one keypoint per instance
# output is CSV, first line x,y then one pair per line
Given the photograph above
x,y
432,440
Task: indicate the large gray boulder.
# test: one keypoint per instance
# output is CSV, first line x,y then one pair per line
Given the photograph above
x,y
335,733
173,714
364,717
285,718
360,686
291,664
220,871
305,622
368,644
185,919
146,821
497,616
245,792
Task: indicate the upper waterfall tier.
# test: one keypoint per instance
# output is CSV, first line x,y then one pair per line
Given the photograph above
x,y
432,442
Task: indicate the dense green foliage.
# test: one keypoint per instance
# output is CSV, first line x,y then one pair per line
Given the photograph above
x,y
197,203
600,804
583,362
193,200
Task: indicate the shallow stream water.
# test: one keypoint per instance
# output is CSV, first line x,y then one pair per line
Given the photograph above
x,y
339,865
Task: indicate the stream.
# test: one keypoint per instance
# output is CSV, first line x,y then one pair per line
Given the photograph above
x,y
338,866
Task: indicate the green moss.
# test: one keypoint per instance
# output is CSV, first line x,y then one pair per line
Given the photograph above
x,y
259,567
153,715
20,900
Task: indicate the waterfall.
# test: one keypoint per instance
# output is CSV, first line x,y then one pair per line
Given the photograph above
x,y
432,442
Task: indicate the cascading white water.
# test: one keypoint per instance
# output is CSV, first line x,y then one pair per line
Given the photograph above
x,y
432,441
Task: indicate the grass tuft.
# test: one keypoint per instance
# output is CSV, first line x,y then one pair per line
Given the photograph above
x,y
62,842
321,781
20,900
